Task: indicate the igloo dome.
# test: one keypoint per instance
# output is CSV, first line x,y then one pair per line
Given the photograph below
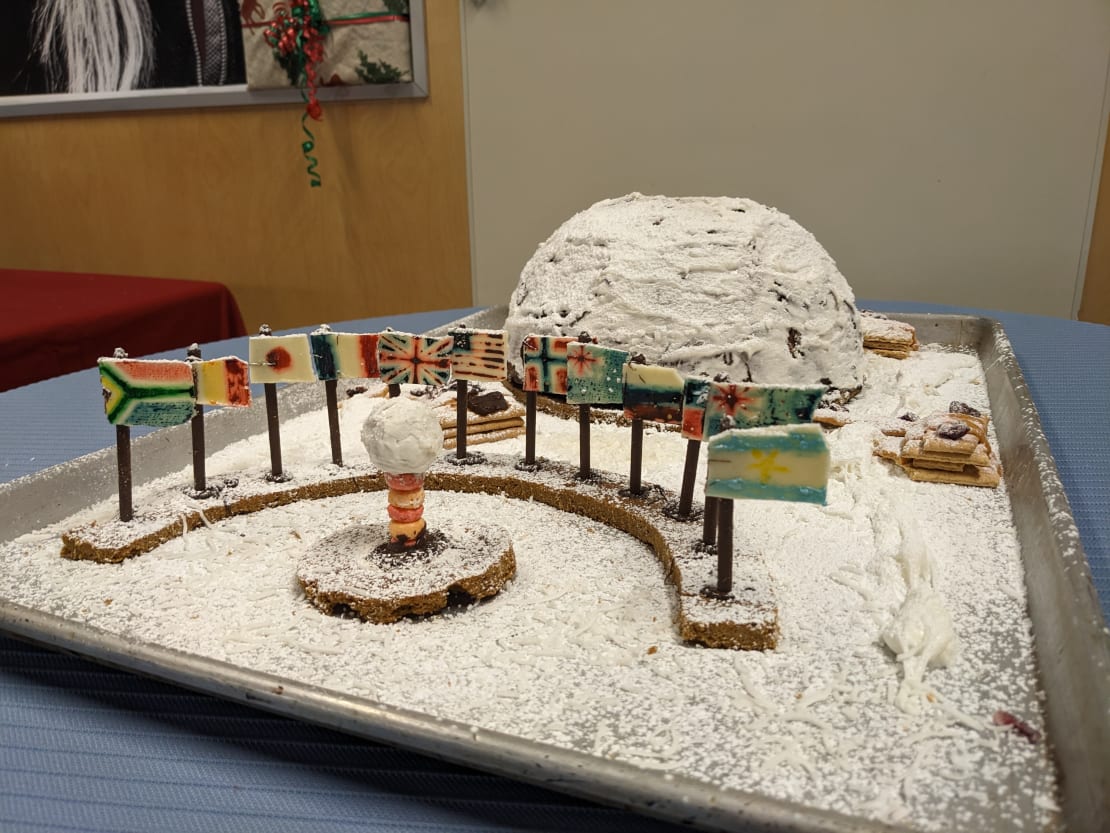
x,y
704,284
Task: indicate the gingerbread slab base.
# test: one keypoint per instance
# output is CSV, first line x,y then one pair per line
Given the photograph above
x,y
747,619
352,571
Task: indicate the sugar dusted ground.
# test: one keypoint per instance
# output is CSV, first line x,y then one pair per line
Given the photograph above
x,y
580,651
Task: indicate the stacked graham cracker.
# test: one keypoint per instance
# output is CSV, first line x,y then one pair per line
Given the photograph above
x,y
492,414
947,447
887,337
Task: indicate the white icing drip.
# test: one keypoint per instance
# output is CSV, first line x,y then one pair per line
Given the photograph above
x,y
921,634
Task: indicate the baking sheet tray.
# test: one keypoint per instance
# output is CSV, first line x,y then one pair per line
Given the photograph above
x,y
1072,648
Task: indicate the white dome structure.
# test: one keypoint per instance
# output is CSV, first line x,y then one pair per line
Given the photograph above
x,y
704,284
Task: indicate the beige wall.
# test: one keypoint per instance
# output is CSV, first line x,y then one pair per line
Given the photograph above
x,y
221,194
942,151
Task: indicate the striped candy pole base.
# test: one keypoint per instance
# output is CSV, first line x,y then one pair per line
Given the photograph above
x,y
406,509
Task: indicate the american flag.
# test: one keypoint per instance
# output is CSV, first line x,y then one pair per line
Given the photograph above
x,y
478,355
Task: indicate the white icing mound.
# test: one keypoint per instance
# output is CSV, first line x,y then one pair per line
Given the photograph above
x,y
402,436
713,284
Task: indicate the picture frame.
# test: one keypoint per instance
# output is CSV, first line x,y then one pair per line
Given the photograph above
x,y
230,95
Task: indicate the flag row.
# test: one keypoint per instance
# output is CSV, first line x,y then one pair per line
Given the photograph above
x,y
162,392
167,392
587,373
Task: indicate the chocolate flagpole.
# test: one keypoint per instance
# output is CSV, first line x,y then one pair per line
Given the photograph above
x,y
529,461
724,543
714,510
709,521
583,441
196,424
584,427
636,457
636,449
461,393
123,460
331,395
273,428
689,472
273,423
530,429
123,464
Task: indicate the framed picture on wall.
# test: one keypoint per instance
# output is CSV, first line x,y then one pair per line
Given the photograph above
x,y
72,56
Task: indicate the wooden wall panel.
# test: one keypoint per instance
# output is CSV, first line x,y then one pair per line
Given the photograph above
x,y
222,194
1095,303
934,158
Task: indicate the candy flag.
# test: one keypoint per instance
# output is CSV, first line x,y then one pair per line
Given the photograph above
x,y
404,358
595,374
223,381
356,355
695,397
778,462
147,392
478,355
281,359
324,346
653,392
750,406
545,363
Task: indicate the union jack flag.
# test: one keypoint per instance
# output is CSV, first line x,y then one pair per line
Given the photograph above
x,y
404,358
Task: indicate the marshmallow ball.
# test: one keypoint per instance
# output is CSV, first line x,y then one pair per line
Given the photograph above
x,y
402,435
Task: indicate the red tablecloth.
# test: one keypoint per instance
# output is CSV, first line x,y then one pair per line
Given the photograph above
x,y
56,322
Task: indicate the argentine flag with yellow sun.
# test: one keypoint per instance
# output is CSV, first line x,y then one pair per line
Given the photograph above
x,y
777,462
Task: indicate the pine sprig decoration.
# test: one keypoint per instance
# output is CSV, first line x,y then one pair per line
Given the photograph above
x,y
377,72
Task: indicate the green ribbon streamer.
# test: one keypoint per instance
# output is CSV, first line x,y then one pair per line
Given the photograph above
x,y
298,71
307,147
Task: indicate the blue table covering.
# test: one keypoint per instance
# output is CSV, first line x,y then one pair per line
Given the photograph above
x,y
85,747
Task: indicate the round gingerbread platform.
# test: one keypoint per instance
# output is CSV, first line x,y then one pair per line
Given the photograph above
x,y
354,571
